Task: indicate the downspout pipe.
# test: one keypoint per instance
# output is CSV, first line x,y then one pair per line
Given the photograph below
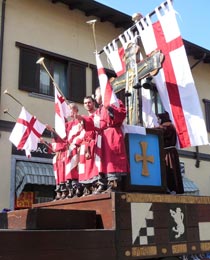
x,y
197,163
2,38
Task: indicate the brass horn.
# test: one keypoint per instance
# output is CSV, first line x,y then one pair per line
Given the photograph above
x,y
41,62
6,111
7,93
92,23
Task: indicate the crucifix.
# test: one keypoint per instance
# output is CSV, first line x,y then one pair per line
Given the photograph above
x,y
144,158
130,80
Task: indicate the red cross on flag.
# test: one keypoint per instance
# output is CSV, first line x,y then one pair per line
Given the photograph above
x,y
174,81
26,132
108,95
61,114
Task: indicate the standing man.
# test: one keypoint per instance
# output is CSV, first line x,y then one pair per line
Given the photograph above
x,y
75,135
58,146
88,171
110,152
89,105
173,172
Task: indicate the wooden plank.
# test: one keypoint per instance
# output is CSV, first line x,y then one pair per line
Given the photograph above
x,y
204,213
192,214
192,234
103,204
74,244
161,198
40,218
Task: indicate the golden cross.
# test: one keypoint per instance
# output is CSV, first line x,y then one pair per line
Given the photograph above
x,y
144,158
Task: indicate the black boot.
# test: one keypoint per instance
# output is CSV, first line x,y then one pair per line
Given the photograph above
x,y
88,189
70,189
64,191
100,188
58,192
113,186
79,190
101,184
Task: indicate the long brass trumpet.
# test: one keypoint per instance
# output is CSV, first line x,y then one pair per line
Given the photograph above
x,y
6,111
7,93
41,62
92,23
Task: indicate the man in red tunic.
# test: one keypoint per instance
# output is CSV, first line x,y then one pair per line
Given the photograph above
x,y
66,159
58,146
88,171
110,152
75,135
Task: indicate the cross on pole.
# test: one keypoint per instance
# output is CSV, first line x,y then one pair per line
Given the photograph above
x,y
147,67
130,80
144,158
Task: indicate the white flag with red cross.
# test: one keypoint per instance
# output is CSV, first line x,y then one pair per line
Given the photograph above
x,y
26,132
62,112
174,81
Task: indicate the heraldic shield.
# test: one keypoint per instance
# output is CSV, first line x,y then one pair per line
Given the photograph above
x,y
147,162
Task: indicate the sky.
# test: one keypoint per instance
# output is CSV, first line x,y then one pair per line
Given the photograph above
x,y
193,16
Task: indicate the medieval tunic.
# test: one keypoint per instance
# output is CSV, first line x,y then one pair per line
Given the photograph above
x,y
60,147
88,171
75,134
110,152
173,173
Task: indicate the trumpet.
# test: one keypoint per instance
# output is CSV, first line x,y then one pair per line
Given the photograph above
x,y
7,93
41,62
6,111
92,23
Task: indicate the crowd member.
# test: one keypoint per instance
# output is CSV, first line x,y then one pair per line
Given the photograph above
x,y
173,173
110,147
88,171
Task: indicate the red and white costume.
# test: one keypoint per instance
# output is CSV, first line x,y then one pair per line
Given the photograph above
x,y
88,170
110,152
75,135
60,147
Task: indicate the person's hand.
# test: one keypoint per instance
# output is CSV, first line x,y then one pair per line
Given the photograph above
x,y
49,128
42,141
79,117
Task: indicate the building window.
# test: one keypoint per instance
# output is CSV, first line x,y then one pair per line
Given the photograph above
x,y
207,113
69,74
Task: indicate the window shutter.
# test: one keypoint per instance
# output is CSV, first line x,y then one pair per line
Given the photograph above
x,y
77,82
28,74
